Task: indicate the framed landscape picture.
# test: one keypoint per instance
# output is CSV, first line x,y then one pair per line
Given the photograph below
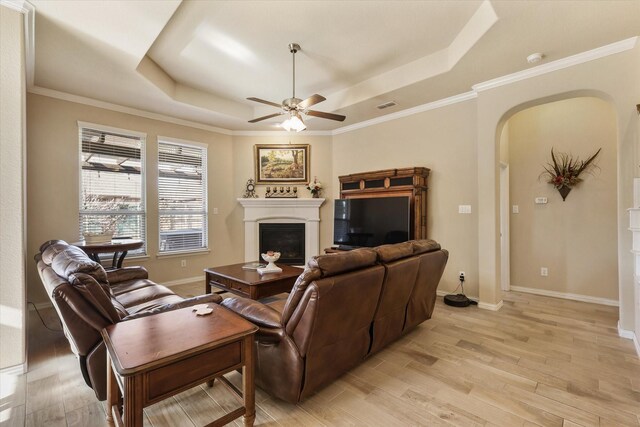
x,y
282,164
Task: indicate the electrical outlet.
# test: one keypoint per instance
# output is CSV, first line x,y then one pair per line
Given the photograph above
x,y
544,271
462,276
215,211
183,263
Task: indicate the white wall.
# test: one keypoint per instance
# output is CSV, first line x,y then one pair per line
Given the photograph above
x,y
12,226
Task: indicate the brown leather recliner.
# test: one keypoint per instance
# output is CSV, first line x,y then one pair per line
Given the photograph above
x,y
88,298
342,308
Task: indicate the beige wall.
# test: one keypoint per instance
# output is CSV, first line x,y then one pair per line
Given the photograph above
x,y
571,236
320,154
442,140
12,227
53,176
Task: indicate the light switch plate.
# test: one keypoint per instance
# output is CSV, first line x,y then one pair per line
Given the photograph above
x,y
464,209
515,209
541,200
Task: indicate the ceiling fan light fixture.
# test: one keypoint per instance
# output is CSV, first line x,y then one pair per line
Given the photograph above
x,y
294,122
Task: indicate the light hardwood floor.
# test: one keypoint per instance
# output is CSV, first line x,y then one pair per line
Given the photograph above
x,y
537,361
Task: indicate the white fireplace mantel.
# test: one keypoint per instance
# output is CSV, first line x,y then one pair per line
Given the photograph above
x,y
278,211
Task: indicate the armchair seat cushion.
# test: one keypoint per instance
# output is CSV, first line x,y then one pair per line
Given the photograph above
x,y
143,294
129,286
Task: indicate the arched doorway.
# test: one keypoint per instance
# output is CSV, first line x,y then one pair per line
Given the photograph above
x,y
565,249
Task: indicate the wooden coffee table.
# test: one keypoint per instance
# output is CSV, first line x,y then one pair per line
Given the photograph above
x,y
249,283
159,356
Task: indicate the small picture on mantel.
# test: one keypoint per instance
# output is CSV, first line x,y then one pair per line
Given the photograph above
x,y
282,164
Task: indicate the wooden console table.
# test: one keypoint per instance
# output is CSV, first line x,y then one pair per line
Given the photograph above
x,y
408,182
156,357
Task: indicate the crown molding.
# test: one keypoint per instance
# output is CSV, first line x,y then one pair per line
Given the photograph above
x,y
29,12
21,6
559,64
408,112
51,93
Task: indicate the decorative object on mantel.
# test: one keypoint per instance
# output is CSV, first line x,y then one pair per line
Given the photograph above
x,y
563,172
281,193
315,187
250,189
271,257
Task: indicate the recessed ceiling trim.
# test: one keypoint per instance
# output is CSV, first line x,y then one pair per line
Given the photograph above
x,y
37,90
421,69
409,112
559,64
281,133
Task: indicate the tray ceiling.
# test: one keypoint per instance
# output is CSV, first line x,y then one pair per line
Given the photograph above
x,y
200,60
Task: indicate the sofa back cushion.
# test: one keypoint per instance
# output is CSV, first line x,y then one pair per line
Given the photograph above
x,y
400,278
331,323
389,253
326,266
423,295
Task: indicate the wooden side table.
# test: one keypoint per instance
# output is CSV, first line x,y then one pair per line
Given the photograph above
x,y
119,248
155,357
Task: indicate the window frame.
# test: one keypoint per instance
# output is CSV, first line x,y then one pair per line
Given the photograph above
x,y
142,252
205,173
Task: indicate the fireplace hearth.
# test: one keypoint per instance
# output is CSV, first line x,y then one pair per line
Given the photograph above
x,y
286,238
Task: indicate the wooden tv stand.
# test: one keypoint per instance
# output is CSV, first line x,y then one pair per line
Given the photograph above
x,y
408,182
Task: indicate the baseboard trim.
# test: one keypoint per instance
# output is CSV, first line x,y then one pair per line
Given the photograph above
x,y
492,307
630,335
14,370
184,281
564,295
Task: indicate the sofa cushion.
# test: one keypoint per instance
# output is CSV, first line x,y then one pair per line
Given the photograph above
x,y
73,260
154,303
341,262
95,294
144,294
388,253
426,245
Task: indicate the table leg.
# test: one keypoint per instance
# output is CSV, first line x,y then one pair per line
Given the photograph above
x,y
207,284
248,384
113,394
119,263
132,416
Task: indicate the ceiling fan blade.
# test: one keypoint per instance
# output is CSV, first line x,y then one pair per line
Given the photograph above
x,y
312,100
265,102
259,119
324,115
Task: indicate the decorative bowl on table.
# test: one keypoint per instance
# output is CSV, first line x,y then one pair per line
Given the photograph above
x,y
271,257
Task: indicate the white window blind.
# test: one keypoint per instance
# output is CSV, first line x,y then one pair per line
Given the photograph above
x,y
112,183
182,196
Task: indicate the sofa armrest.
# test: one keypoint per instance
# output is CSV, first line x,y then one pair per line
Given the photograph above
x,y
201,299
254,311
126,273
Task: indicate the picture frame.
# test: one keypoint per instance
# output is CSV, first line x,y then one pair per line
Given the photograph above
x,y
282,163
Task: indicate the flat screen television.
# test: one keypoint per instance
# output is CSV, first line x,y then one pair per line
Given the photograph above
x,y
369,222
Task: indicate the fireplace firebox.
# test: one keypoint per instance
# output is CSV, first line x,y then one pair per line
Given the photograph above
x,y
288,239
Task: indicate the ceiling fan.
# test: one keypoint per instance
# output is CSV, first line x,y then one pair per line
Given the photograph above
x,y
293,106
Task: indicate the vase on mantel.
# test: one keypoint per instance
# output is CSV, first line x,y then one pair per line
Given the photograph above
x,y
315,195
564,192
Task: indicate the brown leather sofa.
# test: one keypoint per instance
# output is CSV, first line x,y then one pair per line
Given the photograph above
x,y
343,308
88,298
